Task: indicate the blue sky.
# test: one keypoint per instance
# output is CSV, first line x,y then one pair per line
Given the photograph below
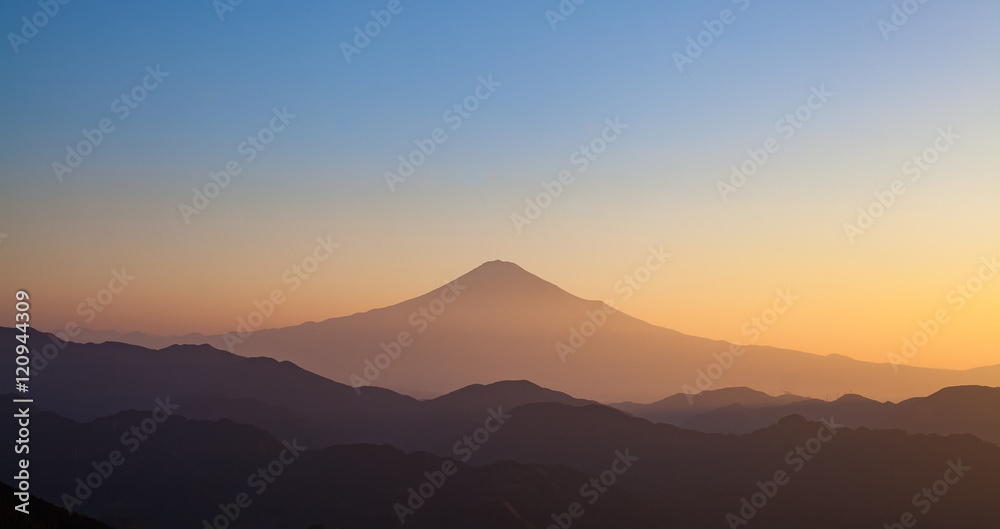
x,y
657,184
605,59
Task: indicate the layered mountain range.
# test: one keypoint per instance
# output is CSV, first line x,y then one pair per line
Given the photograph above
x,y
552,411
518,454
500,322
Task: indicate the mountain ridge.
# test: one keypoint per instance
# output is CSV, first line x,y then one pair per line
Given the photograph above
x,y
500,322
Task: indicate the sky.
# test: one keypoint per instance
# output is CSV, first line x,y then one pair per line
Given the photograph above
x,y
310,118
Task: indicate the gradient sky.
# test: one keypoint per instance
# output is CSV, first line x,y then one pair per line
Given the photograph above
x,y
656,185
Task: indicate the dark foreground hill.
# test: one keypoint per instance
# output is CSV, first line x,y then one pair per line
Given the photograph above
x,y
540,460
41,515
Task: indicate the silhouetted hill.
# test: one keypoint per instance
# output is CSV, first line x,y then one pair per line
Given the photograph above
x,y
180,475
533,466
681,406
116,376
963,409
859,478
509,394
279,397
42,515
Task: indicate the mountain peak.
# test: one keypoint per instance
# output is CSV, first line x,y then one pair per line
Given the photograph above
x,y
509,280
500,268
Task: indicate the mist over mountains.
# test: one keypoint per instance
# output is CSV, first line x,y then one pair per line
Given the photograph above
x,y
499,322
303,427
520,453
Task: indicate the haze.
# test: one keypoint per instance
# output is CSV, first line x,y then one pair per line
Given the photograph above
x,y
654,186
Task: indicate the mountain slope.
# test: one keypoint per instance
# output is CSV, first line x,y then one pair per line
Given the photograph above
x,y
499,322
41,514
962,409
279,397
851,478
534,466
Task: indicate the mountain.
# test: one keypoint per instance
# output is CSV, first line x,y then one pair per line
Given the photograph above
x,y
508,394
838,477
524,453
279,397
41,514
287,400
186,472
543,458
499,322
955,410
209,383
680,406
